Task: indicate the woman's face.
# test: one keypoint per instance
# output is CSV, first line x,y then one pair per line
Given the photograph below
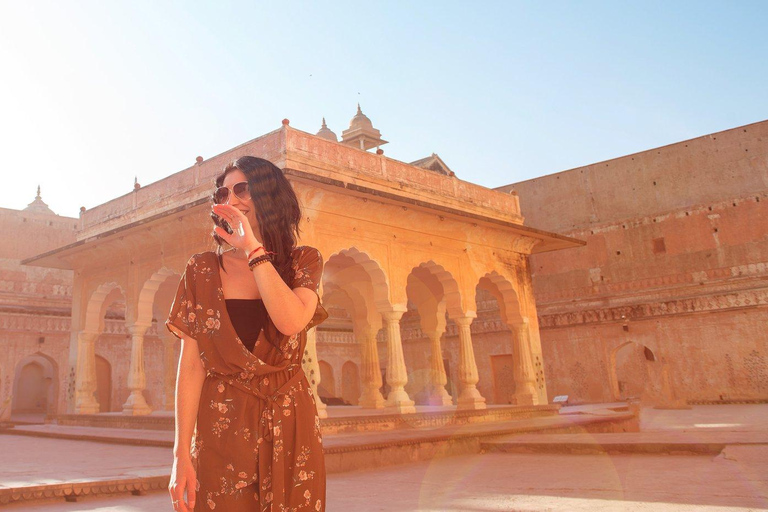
x,y
247,207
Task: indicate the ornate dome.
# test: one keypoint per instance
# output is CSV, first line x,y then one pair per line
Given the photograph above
x,y
360,120
361,133
327,133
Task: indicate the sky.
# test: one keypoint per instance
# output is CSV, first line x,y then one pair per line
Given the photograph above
x,y
94,93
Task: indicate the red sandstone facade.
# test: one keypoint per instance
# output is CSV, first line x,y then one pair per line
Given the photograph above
x,y
676,262
35,307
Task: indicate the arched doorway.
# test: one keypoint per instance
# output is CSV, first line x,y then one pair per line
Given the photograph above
x,y
350,383
327,386
35,386
103,384
632,371
31,394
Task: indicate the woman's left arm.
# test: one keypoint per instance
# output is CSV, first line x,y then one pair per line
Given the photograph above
x,y
290,309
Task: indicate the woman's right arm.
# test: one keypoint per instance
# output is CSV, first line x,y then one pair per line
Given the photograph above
x,y
189,384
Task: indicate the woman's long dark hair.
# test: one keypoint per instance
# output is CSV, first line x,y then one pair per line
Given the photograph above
x,y
277,210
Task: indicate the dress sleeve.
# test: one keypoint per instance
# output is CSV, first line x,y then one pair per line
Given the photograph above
x,y
309,271
182,319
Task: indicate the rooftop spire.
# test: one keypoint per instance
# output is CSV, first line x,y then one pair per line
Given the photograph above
x,y
38,206
326,133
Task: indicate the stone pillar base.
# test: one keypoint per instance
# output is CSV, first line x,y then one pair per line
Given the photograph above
x,y
440,396
87,409
526,399
399,401
372,400
470,398
136,405
86,403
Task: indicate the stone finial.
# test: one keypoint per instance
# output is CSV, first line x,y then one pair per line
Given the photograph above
x,y
326,133
38,205
199,160
286,122
136,185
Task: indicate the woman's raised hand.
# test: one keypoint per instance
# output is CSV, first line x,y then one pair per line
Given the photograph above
x,y
242,236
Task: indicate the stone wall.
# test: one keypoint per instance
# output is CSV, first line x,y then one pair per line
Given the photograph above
x,y
35,303
676,261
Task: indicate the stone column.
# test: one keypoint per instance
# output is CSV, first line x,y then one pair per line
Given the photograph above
x,y
170,366
525,381
312,369
370,376
397,375
137,379
470,397
85,376
438,379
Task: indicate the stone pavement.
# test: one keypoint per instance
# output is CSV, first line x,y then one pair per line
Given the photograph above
x,y
736,479
511,482
39,460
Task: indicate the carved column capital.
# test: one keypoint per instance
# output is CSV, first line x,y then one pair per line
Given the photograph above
x,y
137,329
86,336
392,316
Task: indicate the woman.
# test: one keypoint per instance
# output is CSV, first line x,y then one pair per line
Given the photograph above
x,y
247,430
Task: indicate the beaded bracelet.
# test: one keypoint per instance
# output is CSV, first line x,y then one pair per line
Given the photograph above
x,y
256,249
259,260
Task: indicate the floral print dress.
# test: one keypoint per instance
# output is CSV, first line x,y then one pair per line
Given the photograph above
x,y
257,444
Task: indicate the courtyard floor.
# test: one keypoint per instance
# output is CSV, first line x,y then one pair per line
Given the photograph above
x,y
736,479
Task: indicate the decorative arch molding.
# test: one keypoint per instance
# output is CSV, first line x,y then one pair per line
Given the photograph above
x,y
506,295
371,267
97,305
147,295
450,287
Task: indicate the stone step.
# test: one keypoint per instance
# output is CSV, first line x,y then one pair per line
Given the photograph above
x,y
669,443
349,452
343,452
341,419
73,491
381,420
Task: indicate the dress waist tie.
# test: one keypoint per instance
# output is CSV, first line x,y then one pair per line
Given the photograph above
x,y
267,415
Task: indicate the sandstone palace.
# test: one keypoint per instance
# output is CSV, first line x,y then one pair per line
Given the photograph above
x,y
644,277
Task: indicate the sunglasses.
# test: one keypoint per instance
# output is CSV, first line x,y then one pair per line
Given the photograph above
x,y
241,190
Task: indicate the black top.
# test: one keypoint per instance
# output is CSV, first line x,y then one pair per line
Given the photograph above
x,y
248,317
